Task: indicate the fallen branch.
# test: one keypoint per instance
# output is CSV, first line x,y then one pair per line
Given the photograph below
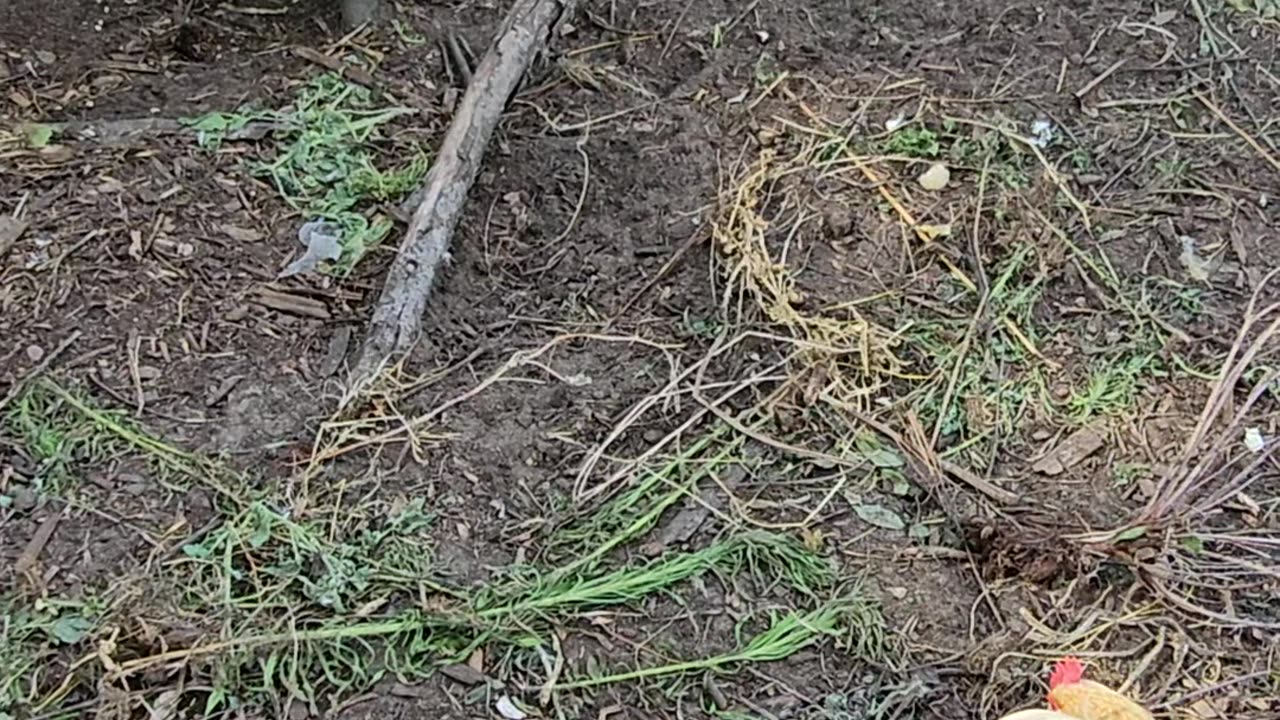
x,y
397,317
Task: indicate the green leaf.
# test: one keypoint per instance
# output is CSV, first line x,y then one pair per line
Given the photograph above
x,y
71,629
39,135
1192,544
880,516
197,551
918,531
875,453
1132,534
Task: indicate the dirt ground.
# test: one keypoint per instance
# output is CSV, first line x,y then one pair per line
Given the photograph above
x,y
717,350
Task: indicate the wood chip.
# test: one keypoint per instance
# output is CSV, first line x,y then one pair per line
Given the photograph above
x,y
242,235
1078,446
11,230
35,546
290,304
339,343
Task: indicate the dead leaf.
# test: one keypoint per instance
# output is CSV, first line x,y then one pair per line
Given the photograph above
x,y
507,708
929,233
463,674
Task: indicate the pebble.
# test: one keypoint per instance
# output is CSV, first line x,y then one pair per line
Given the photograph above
x,y
24,498
35,353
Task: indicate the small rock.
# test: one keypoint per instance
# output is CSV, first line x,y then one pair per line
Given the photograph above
x,y
935,178
35,353
148,372
898,593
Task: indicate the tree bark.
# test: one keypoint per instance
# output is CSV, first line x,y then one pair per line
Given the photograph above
x,y
397,317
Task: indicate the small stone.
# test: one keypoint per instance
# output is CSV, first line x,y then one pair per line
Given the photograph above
x,y
935,178
35,353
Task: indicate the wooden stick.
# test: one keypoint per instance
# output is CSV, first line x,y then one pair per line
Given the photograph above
x,y
397,318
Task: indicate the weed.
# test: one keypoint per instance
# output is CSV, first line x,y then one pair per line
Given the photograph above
x,y
1124,474
1110,388
1260,9
63,430
32,638
325,166
766,70
1172,171
913,141
1081,160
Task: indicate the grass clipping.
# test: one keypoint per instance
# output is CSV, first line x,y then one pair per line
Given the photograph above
x,y
761,220
319,605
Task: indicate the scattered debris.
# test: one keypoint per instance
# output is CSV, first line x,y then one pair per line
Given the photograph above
x,y
1253,440
1197,267
323,243
1042,133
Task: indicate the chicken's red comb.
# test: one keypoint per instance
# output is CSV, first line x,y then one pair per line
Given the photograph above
x,y
1065,672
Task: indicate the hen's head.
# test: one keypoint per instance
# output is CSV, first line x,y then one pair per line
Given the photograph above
x,y
1066,671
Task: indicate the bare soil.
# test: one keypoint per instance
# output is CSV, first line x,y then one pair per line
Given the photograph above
x,y
590,229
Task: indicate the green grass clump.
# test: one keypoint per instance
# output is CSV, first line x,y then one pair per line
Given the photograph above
x,y
913,141
33,636
64,432
1110,388
261,559
325,163
849,618
322,603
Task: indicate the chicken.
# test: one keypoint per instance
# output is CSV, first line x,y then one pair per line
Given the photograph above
x,y
1038,714
1071,694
